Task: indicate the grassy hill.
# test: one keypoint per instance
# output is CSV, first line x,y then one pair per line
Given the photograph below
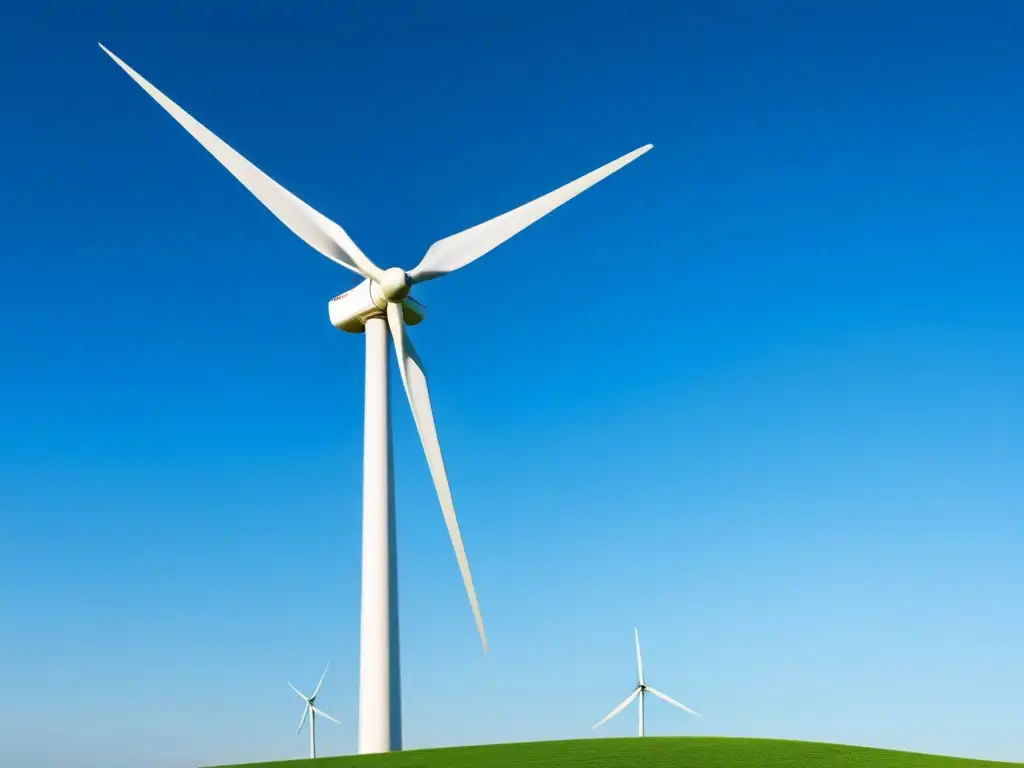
x,y
648,753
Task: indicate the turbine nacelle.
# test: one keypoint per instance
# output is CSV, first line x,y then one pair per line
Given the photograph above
x,y
350,310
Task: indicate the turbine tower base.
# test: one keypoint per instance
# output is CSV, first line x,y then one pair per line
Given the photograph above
x,y
380,706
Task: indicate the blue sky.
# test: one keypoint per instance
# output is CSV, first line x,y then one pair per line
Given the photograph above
x,y
760,395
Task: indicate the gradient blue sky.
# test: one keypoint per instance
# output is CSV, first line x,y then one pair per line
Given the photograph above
x,y
761,397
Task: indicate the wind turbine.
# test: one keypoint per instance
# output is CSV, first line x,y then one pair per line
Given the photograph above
x,y
312,711
380,303
640,690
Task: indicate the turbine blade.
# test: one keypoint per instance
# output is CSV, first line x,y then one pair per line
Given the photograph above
x,y
639,661
302,722
460,249
619,708
317,690
300,693
414,378
314,228
673,702
324,714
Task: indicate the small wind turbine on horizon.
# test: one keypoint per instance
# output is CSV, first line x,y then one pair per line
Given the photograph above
x,y
311,710
640,690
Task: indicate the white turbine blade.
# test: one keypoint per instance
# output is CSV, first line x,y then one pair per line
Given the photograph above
x,y
324,714
460,249
302,722
619,708
302,696
317,690
414,378
672,701
639,661
313,227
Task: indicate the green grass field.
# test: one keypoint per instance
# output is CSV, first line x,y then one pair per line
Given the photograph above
x,y
648,753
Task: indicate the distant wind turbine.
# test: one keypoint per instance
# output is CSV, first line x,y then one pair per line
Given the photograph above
x,y
312,711
640,690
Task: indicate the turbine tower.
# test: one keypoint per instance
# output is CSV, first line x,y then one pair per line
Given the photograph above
x,y
377,306
312,711
640,690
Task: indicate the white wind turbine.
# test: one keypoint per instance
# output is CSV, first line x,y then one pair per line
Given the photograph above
x,y
311,710
380,303
640,690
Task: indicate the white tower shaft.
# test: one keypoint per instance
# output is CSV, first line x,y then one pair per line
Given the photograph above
x,y
312,732
380,716
640,698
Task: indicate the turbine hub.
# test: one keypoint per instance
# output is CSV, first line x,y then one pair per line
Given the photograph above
x,y
395,284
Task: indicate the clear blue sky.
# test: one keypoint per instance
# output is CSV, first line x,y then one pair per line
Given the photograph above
x,y
762,396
